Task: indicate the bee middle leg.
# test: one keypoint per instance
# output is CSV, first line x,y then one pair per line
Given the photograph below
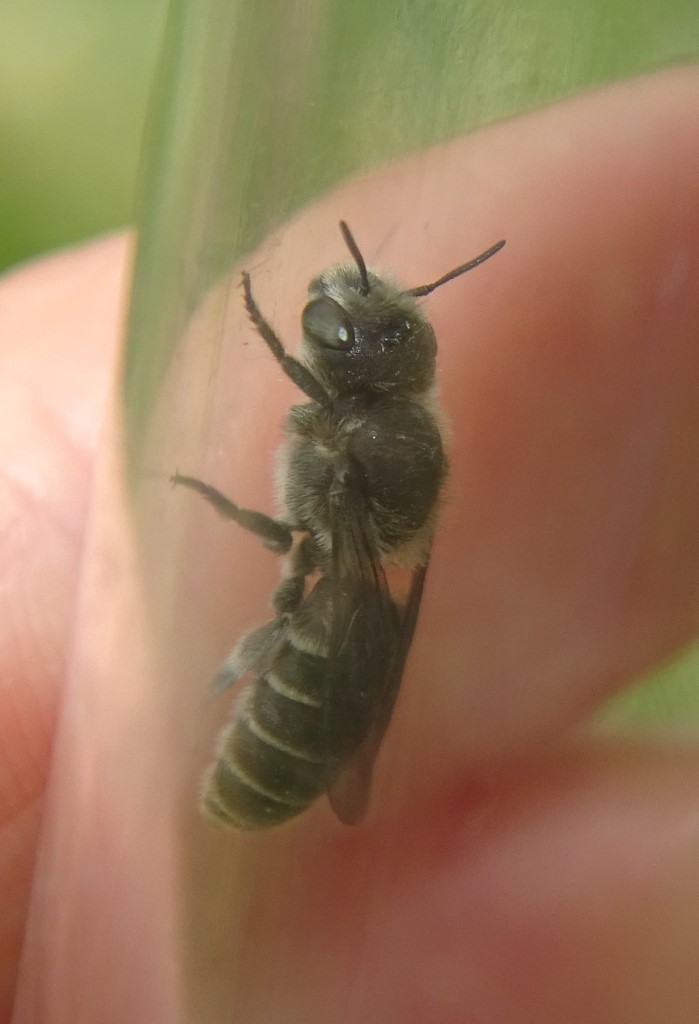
x,y
274,535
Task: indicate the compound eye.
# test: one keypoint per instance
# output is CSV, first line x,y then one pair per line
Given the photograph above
x,y
326,323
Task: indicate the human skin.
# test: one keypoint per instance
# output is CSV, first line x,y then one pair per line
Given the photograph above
x,y
516,871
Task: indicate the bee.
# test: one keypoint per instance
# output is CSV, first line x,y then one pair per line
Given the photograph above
x,y
364,464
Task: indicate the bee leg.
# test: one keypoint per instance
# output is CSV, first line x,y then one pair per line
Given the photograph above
x,y
302,561
274,535
250,651
289,594
295,371
247,654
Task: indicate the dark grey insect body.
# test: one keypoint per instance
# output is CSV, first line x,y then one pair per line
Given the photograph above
x,y
364,466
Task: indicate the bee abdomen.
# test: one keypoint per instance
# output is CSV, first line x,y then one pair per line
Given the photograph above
x,y
271,760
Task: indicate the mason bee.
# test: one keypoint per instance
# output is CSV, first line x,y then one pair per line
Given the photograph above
x,y
364,466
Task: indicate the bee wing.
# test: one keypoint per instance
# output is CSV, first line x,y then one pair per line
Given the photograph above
x,y
369,643
349,791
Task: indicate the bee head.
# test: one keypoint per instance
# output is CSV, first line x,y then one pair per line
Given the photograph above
x,y
362,331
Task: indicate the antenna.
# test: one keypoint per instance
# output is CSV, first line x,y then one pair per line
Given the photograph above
x,y
425,289
356,254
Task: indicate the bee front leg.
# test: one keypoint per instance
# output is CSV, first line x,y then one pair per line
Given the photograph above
x,y
274,535
295,371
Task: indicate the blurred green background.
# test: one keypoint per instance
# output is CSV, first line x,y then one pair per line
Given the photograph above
x,y
75,79
74,82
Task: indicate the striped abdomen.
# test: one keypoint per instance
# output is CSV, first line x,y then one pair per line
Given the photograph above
x,y
271,762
